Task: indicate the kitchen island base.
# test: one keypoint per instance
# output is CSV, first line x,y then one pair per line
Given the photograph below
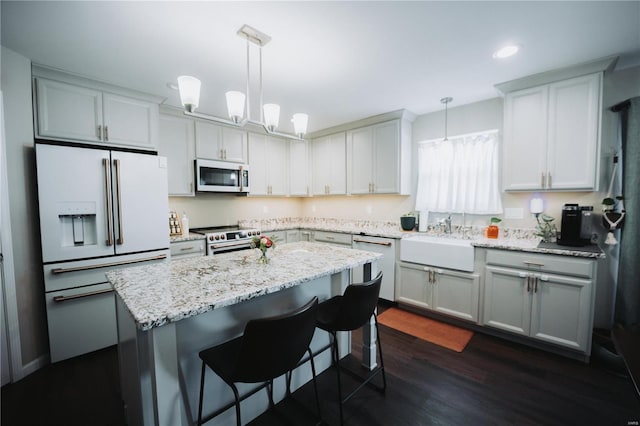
x,y
160,367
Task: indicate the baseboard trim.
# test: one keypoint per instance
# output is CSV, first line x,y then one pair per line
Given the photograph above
x,y
35,365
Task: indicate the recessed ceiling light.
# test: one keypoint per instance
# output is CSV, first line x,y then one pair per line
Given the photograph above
x,y
506,51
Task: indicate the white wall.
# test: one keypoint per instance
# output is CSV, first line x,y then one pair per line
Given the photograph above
x,y
16,89
224,209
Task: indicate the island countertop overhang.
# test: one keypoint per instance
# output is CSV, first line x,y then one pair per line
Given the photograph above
x,y
168,292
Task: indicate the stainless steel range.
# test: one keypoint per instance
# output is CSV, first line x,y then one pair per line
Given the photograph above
x,y
223,239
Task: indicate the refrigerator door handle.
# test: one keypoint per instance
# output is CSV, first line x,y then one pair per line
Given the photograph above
x,y
120,239
107,181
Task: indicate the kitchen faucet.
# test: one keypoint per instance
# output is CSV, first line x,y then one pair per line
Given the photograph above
x,y
447,224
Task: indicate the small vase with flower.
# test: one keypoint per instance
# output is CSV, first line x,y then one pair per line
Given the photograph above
x,y
263,243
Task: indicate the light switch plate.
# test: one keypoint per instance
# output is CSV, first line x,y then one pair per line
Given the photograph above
x,y
513,213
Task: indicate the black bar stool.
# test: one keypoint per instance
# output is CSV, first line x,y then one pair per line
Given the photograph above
x,y
347,313
269,348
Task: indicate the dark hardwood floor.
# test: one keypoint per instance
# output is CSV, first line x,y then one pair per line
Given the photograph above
x,y
492,382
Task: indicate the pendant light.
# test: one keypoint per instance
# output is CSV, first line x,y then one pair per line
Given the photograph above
x,y
237,102
445,101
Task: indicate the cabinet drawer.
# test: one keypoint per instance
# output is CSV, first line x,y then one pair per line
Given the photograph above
x,y
332,237
565,265
187,248
80,320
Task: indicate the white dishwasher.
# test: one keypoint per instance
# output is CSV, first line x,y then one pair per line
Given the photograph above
x,y
387,247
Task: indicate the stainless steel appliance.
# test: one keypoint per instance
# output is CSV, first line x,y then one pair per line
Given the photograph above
x,y
100,209
576,225
221,176
223,239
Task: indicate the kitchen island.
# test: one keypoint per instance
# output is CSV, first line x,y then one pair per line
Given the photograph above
x,y
168,312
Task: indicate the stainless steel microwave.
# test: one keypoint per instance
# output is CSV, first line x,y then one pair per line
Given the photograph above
x,y
221,176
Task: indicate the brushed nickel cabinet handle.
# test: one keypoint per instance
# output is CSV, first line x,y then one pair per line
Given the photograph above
x,y
81,295
548,180
373,242
542,180
529,263
106,133
99,132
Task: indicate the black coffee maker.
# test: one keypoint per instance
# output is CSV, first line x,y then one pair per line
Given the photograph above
x,y
576,225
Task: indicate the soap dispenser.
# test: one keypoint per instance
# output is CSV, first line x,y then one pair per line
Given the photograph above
x,y
185,224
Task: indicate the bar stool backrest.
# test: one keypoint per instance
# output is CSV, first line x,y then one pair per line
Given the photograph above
x,y
272,346
357,305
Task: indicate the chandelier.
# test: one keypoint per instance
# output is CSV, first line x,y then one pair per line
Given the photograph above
x,y
237,102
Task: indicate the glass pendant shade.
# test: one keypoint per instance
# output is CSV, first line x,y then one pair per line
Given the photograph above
x,y
235,105
271,116
300,121
189,92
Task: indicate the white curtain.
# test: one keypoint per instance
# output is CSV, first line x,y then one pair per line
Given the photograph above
x,y
459,174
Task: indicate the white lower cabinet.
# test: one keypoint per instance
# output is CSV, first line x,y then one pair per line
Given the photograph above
x,y
522,297
441,290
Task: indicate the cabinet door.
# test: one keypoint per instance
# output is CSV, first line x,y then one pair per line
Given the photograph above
x,y
293,235
507,303
456,294
386,158
68,112
177,142
277,160
562,311
574,107
328,167
129,121
525,139
337,161
259,164
298,168
209,141
319,166
234,145
413,287
361,167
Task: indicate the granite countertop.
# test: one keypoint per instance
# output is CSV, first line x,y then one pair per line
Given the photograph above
x,y
170,291
189,237
533,245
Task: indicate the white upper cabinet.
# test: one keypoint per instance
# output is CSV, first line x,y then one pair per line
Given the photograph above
x,y
268,158
299,168
215,142
375,157
328,165
176,141
80,113
551,136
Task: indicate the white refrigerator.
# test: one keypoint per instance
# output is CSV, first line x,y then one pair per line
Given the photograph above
x,y
100,209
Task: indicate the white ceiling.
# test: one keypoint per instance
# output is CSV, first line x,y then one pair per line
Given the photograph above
x,y
337,61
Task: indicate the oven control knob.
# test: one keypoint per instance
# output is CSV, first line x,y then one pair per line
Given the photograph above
x,y
210,237
223,237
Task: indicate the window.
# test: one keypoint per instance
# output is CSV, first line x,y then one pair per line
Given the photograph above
x,y
459,174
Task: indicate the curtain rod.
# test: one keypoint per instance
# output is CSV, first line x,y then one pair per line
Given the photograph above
x,y
621,106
